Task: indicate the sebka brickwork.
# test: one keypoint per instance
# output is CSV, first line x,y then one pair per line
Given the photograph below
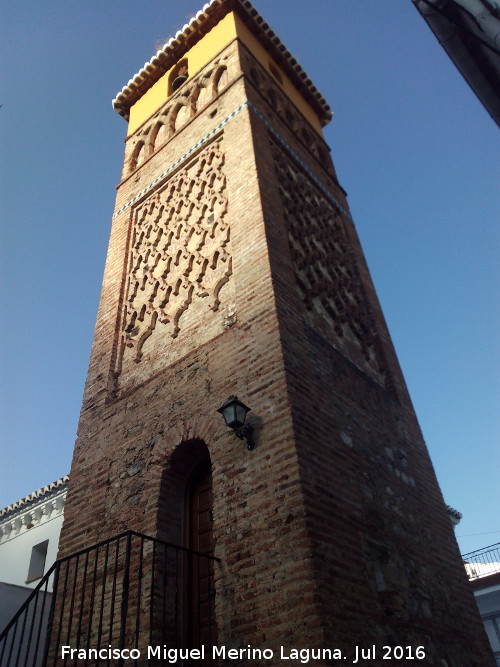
x,y
234,267
325,274
180,257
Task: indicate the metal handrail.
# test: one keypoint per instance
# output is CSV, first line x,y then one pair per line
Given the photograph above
x,y
98,596
482,562
43,581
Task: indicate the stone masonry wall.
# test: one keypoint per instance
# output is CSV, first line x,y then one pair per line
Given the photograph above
x,y
386,560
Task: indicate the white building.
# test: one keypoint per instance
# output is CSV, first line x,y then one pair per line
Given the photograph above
x,y
483,570
29,539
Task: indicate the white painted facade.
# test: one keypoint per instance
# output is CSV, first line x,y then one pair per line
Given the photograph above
x,y
29,541
33,521
488,602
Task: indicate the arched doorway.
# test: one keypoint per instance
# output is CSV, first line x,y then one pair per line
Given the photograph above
x,y
201,629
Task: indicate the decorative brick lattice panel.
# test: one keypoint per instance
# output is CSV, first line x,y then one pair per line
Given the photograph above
x,y
192,98
179,250
326,274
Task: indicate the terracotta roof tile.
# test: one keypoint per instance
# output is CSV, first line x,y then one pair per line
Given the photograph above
x,y
152,70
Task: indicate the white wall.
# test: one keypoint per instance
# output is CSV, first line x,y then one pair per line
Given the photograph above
x,y
15,553
28,523
29,651
488,601
25,524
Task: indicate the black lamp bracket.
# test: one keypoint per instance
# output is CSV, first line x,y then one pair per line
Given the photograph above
x,y
245,432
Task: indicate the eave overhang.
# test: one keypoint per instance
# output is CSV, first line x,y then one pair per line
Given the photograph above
x,y
199,26
469,31
41,494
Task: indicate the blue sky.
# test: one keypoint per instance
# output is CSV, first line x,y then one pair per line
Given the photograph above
x,y
413,147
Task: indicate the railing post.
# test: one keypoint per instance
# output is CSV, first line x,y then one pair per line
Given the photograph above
x,y
50,621
152,614
82,599
113,594
139,595
483,562
103,597
95,550
45,625
33,620
12,644
125,593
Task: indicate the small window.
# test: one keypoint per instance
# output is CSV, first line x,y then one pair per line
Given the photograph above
x,y
37,561
178,76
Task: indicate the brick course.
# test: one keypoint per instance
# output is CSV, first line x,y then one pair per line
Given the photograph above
x,y
333,531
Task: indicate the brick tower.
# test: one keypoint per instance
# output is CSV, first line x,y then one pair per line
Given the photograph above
x,y
234,268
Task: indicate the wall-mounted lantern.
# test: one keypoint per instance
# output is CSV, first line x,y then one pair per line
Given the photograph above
x,y
235,413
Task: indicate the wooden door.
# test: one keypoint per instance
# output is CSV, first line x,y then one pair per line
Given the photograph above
x,y
201,627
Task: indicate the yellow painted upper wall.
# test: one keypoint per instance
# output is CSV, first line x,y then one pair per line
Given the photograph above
x,y
260,53
198,56
222,34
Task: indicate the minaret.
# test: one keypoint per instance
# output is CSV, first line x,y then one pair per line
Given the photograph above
x,y
234,268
